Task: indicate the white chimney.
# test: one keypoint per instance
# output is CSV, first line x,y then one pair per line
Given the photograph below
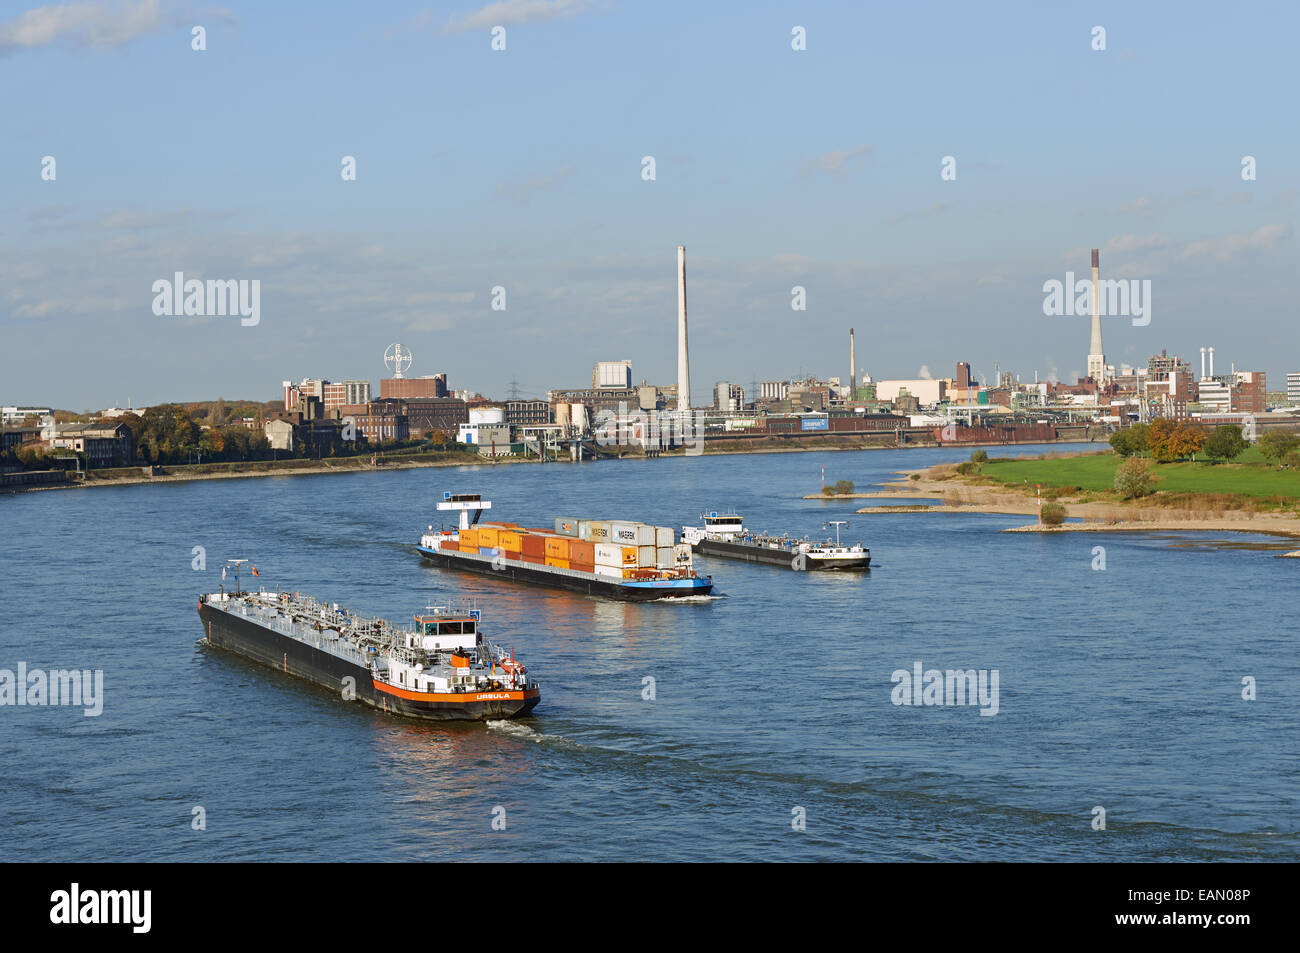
x,y
1202,363
853,363
1211,350
683,364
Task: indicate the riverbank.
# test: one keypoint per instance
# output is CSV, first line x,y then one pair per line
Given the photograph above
x,y
955,493
230,471
192,473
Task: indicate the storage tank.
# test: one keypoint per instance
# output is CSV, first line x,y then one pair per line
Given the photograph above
x,y
578,416
562,414
486,415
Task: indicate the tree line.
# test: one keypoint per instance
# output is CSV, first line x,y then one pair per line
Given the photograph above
x,y
1166,441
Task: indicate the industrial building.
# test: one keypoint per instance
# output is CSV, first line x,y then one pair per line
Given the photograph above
x,y
431,385
615,374
926,391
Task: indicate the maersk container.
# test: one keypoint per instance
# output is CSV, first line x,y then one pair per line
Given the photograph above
x,y
596,531
663,536
566,526
623,534
645,557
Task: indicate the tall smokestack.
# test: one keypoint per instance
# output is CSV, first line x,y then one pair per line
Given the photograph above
x,y
1211,350
1202,363
683,364
853,369
1096,358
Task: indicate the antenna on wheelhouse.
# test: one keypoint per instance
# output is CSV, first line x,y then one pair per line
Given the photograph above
x,y
837,524
232,564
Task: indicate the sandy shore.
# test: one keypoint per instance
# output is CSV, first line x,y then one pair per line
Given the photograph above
x,y
953,496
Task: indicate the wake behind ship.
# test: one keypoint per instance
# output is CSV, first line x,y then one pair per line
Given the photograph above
x,y
440,669
633,562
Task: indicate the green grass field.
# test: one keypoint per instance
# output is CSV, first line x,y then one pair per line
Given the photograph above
x,y
1249,477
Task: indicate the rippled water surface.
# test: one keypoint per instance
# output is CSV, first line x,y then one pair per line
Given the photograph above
x,y
1118,688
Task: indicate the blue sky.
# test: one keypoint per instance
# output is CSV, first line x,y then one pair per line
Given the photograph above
x,y
522,168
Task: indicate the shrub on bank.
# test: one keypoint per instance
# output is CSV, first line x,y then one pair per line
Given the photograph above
x,y
1133,478
1053,514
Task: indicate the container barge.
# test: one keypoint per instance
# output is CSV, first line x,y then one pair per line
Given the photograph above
x,y
633,562
724,535
440,669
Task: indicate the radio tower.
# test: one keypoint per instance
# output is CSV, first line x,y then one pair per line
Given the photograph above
x,y
514,389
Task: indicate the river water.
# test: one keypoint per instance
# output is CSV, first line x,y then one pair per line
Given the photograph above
x,y
1118,688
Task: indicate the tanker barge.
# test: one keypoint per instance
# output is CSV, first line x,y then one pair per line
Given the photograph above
x,y
439,669
724,534
632,562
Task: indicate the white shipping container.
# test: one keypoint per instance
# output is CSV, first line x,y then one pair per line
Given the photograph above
x,y
614,572
645,535
624,534
608,555
663,536
683,552
664,557
645,557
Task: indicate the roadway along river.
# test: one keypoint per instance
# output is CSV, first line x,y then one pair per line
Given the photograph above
x,y
1119,689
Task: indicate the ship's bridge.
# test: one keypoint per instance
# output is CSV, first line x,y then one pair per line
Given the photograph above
x,y
442,627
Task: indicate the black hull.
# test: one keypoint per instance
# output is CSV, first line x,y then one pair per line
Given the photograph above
x,y
777,557
553,580
252,641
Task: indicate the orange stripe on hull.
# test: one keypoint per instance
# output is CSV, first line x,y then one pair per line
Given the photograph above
x,y
457,697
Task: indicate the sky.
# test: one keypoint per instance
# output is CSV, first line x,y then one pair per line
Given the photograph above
x,y
523,169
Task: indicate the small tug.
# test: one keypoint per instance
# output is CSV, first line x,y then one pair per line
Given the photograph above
x,y
724,534
441,668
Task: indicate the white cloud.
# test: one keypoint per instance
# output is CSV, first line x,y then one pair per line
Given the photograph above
x,y
514,12
97,24
839,161
1264,238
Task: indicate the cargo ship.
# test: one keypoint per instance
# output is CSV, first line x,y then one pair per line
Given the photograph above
x,y
441,668
634,562
724,534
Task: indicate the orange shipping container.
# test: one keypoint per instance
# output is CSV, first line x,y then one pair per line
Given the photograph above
x,y
629,555
449,544
536,560
487,537
511,542
582,551
557,563
533,545
557,547
469,538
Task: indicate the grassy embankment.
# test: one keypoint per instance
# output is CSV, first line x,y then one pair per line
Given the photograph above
x,y
1248,483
